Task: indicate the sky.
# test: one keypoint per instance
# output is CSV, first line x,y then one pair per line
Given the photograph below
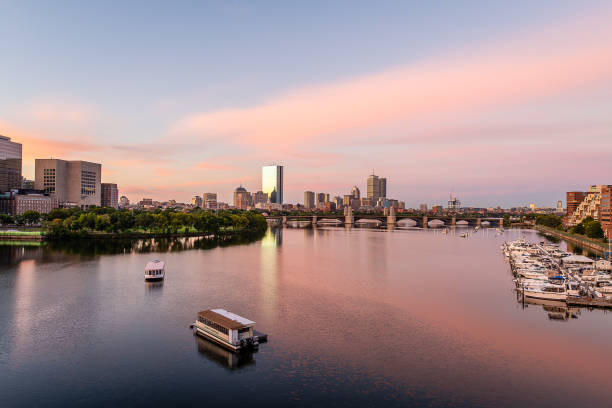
x,y
501,103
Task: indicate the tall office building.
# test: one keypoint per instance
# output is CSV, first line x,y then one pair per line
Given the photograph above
x,y
75,183
309,200
110,195
377,187
10,164
260,198
272,183
356,193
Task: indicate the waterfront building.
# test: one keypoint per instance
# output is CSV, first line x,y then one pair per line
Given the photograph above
x,y
437,209
242,198
589,207
75,183
423,208
355,193
573,200
110,195
309,200
260,197
17,202
124,202
10,164
605,210
272,183
196,201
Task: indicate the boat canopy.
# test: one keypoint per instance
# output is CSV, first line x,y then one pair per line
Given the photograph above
x,y
226,319
155,265
577,259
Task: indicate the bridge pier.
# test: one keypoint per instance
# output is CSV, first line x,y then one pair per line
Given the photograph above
x,y
391,219
314,220
284,220
453,221
478,221
425,226
348,216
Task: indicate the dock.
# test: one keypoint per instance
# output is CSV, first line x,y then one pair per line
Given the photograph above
x,y
592,302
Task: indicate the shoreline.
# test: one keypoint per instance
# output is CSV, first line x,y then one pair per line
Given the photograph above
x,y
587,243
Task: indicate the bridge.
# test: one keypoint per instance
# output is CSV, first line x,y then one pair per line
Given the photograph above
x,y
389,218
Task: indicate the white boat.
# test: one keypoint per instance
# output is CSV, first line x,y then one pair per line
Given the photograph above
x,y
155,270
546,291
604,286
226,329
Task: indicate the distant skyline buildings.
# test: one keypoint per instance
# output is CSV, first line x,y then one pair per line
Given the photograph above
x,y
10,164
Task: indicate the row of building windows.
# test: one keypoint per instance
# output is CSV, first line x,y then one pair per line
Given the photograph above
x,y
213,325
88,182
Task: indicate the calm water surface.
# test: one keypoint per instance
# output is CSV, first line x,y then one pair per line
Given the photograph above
x,y
355,317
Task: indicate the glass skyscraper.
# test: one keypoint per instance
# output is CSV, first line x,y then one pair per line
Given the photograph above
x,y
10,164
272,183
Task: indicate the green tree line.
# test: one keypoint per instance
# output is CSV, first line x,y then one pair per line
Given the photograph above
x,y
62,222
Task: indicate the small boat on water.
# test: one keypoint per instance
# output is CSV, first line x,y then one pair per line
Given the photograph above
x,y
547,291
155,270
227,329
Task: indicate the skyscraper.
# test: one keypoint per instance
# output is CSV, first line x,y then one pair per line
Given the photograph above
x,y
10,164
309,200
377,187
356,193
272,183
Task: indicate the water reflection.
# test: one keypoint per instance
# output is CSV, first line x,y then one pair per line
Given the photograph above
x,y
223,357
86,249
268,267
154,286
556,310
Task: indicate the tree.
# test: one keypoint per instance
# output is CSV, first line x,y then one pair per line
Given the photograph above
x,y
31,217
593,229
6,219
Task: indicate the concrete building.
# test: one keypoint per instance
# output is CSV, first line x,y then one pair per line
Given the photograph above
x,y
28,184
423,208
605,211
320,201
309,200
589,207
356,193
17,202
272,183
339,201
110,195
573,200
454,205
75,183
10,164
196,201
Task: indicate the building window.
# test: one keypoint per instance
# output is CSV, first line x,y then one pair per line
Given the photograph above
x,y
88,183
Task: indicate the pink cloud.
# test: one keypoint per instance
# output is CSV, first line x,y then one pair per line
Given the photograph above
x,y
538,65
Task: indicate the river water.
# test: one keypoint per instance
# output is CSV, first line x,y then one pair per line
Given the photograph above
x,y
355,317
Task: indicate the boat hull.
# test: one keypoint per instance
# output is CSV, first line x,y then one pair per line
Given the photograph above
x,y
153,278
545,296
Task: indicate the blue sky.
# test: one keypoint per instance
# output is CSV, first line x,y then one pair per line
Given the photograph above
x,y
118,75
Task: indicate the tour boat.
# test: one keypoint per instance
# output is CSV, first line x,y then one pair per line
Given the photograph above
x,y
546,291
154,270
226,329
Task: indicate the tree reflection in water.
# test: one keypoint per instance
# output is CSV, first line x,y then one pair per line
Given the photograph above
x,y
92,248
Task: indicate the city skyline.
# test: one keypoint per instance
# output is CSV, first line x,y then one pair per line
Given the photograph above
x,y
491,110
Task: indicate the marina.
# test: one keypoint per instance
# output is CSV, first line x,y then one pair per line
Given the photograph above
x,y
544,271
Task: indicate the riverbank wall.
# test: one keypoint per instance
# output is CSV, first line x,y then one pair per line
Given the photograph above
x,y
595,246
